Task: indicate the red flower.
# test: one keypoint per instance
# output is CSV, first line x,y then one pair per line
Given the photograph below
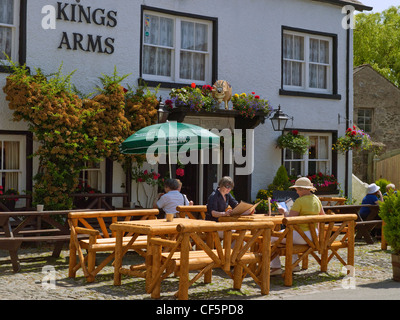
x,y
125,90
353,133
256,97
295,132
145,171
140,180
193,85
180,172
253,93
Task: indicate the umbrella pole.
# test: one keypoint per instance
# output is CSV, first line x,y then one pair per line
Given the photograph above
x,y
169,164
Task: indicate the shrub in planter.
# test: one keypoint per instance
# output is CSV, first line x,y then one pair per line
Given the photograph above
x,y
389,211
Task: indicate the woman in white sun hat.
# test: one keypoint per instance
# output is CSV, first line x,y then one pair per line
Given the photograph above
x,y
306,204
374,195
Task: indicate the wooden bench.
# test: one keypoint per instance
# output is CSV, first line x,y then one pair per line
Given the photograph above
x,y
32,226
332,201
248,253
323,246
192,212
363,226
95,225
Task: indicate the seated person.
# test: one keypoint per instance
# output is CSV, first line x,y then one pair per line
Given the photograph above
x,y
168,201
220,199
373,196
390,188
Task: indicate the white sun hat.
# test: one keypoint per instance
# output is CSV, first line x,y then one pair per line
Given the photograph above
x,y
305,183
372,188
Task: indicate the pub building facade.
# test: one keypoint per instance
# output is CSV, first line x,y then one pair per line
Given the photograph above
x,y
295,53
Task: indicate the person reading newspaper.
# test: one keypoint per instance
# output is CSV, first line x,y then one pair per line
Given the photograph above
x,y
306,204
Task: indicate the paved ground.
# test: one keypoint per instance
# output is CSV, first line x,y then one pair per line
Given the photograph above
x,y
373,274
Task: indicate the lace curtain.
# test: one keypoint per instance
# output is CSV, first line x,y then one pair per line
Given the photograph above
x,y
6,18
159,51
295,61
9,164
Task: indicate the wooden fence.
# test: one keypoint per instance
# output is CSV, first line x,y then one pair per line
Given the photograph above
x,y
388,167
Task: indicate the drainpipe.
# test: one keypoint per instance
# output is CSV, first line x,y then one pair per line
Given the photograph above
x,y
346,187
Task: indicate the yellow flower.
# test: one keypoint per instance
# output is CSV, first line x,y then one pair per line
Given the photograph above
x,y
243,94
236,95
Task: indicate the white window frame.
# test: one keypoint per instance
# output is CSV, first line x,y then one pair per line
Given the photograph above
x,y
22,160
100,170
305,80
176,50
14,32
305,160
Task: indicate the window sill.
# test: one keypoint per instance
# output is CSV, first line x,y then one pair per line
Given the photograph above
x,y
283,92
162,84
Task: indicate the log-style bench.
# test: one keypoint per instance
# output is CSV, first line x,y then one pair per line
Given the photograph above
x,y
95,225
323,246
363,226
32,226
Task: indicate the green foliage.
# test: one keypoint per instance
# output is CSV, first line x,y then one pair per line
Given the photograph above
x,y
389,211
281,181
294,141
377,42
382,183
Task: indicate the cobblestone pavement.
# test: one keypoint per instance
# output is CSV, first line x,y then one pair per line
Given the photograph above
x,y
372,265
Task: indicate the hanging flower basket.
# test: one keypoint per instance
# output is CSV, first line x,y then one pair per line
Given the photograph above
x,y
354,139
294,141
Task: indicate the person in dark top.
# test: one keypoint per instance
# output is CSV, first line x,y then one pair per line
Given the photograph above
x,y
373,196
220,199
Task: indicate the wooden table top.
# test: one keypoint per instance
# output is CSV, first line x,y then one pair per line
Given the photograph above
x,y
253,217
156,226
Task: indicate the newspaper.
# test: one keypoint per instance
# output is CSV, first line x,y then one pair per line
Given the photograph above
x,y
286,205
243,207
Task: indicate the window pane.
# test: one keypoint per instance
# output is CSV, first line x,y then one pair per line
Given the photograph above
x,y
324,52
166,32
11,155
6,11
187,35
314,50
313,74
9,180
164,62
201,40
199,61
151,29
287,46
298,48
322,74
5,42
149,60
297,74
287,73
185,65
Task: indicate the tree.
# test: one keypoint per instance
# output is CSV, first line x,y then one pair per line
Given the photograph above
x,y
377,42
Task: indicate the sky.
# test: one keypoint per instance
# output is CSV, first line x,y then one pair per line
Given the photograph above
x,y
380,5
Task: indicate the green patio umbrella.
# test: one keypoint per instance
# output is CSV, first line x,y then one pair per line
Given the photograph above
x,y
169,138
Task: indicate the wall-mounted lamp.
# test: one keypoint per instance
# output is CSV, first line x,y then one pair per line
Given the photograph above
x,y
161,111
279,120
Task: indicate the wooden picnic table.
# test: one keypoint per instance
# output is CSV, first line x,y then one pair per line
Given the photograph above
x,y
187,228
363,226
32,226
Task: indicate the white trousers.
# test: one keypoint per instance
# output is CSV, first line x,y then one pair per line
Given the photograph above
x,y
297,239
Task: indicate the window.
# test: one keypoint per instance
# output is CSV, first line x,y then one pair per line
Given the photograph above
x,y
12,162
176,49
8,28
307,62
364,120
318,158
91,176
